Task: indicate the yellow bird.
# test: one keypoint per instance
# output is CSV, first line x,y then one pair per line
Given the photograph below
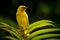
x,y
22,17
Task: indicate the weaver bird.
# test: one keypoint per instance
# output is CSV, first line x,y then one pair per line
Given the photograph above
x,y
22,17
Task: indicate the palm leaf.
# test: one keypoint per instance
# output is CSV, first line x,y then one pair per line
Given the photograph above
x,y
52,39
39,22
9,37
39,26
9,21
18,36
36,35
44,36
11,30
42,31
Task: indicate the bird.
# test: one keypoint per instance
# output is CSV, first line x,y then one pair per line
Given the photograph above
x,y
22,17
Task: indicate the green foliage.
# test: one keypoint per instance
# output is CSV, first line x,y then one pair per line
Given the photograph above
x,y
9,37
42,33
11,30
36,31
53,39
39,22
44,36
9,21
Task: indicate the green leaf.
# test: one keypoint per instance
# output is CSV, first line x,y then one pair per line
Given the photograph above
x,y
2,23
18,36
9,37
9,21
44,36
39,26
53,39
38,23
10,29
42,31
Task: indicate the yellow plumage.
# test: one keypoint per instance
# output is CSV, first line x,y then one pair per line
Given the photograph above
x,y
22,17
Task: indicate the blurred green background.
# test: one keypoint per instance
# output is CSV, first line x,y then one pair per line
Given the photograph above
x,y
37,9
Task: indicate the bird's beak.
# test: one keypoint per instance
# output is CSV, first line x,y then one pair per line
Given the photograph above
x,y
26,7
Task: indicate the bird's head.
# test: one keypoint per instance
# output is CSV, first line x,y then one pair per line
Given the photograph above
x,y
22,7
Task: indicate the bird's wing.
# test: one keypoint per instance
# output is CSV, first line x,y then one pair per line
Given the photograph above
x,y
27,19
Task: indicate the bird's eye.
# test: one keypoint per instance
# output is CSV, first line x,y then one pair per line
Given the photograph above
x,y
23,7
